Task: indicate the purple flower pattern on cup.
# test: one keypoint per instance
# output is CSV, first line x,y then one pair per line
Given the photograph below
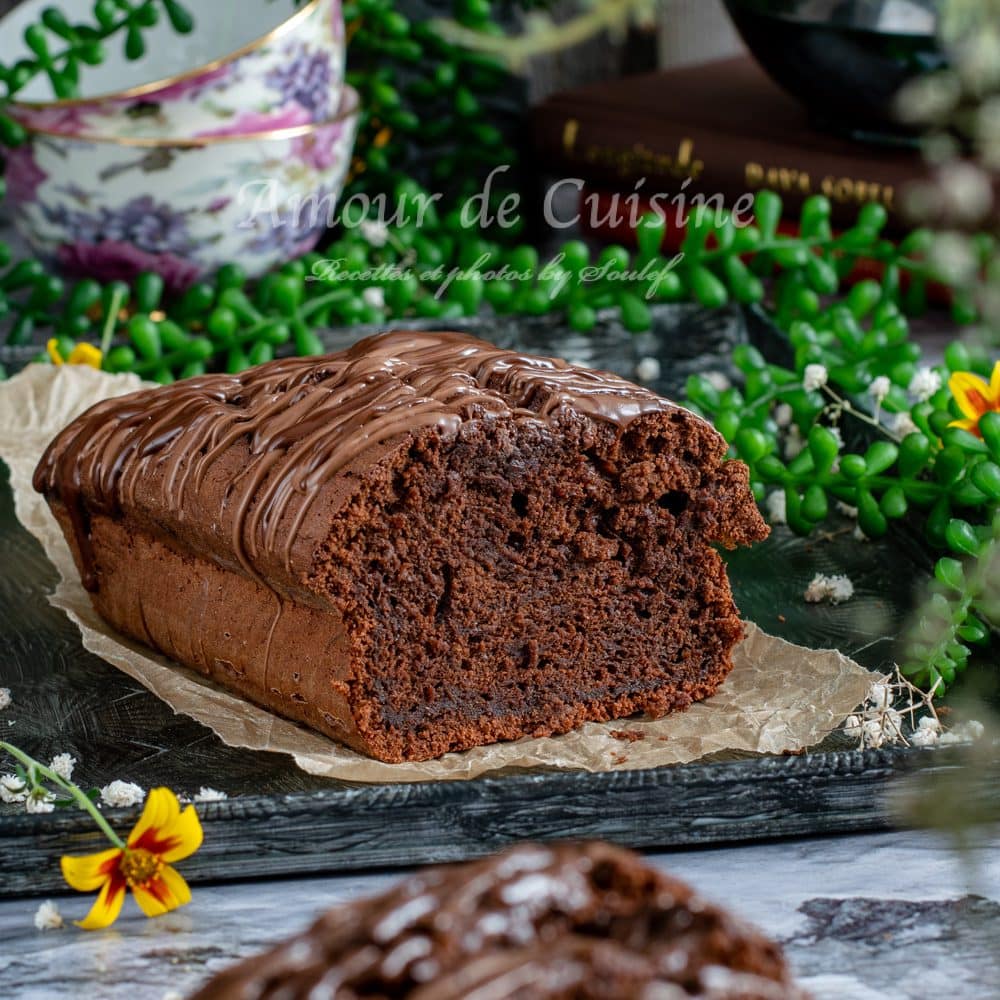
x,y
141,221
22,174
112,260
303,79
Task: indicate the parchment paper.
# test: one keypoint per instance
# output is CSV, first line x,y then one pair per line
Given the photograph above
x,y
778,698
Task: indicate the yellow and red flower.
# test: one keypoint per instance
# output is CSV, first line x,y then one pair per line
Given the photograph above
x,y
975,397
163,835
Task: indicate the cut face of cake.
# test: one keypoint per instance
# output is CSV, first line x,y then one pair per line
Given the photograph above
x,y
567,922
419,545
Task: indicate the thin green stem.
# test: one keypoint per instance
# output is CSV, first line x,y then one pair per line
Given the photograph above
x,y
77,793
111,321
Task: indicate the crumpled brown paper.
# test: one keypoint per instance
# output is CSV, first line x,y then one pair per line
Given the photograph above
x,y
779,697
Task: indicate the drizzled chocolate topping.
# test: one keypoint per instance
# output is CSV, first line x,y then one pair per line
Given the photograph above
x,y
582,921
304,420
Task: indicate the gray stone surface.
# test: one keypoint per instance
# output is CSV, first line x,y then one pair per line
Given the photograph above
x,y
899,916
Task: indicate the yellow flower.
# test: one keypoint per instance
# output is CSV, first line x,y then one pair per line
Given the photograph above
x,y
975,397
82,354
163,835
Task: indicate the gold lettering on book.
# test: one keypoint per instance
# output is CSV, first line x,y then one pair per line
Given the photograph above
x,y
784,180
843,190
637,160
570,131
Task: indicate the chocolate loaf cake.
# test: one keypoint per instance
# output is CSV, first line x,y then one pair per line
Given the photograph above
x,y
567,922
418,545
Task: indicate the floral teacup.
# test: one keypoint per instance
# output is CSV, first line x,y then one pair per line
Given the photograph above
x,y
113,208
261,66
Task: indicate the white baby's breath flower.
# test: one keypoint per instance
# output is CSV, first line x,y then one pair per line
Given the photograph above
x,y
12,789
925,383
648,369
892,724
210,795
902,424
880,696
967,191
814,377
794,442
783,414
879,388
833,589
964,732
5,698
719,381
48,917
375,233
122,793
872,733
374,296
837,436
953,258
927,732
853,725
775,505
63,764
39,801
929,97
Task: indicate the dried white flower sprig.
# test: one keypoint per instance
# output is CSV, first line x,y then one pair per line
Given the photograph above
x,y
832,589
880,719
898,712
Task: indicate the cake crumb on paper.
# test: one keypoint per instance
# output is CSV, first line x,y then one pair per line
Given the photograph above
x,y
629,735
832,589
48,917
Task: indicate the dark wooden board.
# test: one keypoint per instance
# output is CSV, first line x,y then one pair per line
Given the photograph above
x,y
279,820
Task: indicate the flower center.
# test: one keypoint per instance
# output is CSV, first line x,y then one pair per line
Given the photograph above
x,y
139,866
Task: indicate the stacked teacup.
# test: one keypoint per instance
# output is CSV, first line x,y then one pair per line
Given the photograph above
x,y
228,144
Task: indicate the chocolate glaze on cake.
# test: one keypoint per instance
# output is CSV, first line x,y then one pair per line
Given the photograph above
x,y
418,545
567,922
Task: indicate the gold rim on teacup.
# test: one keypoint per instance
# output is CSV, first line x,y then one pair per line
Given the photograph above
x,y
169,81
289,132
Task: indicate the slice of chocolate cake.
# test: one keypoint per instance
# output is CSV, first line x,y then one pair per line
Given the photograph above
x,y
418,545
567,922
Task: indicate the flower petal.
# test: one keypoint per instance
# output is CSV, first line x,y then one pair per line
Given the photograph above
x,y
160,810
972,394
88,872
85,354
995,383
972,426
166,831
52,349
106,907
161,894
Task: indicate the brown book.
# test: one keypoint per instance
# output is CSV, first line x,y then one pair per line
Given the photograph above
x,y
727,127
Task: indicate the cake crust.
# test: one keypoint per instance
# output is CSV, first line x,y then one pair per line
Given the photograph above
x,y
422,544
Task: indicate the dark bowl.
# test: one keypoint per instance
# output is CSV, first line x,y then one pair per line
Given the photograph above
x,y
844,59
